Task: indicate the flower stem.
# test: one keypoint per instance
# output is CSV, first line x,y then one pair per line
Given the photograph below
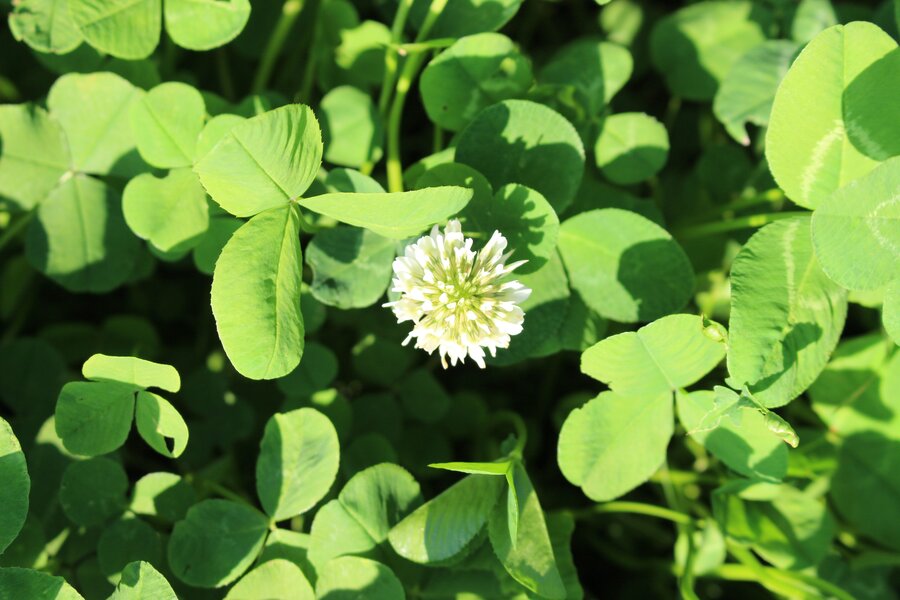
x,y
309,70
748,222
390,55
637,508
224,72
404,83
290,10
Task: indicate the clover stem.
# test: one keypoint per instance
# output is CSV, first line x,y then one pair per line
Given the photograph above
x,y
685,531
15,228
518,424
224,73
783,582
309,70
748,222
637,508
222,491
391,57
438,139
742,572
290,10
404,83
772,198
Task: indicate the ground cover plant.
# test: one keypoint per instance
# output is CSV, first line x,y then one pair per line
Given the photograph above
x,y
449,299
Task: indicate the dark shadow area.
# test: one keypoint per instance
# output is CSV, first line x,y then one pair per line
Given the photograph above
x,y
865,488
459,86
553,169
658,276
83,259
857,390
636,165
725,442
524,232
872,127
799,337
341,243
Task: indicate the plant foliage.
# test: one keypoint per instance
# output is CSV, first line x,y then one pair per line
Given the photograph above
x,y
213,214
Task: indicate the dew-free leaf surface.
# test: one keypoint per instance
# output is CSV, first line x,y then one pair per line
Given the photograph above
x,y
786,314
625,267
812,161
255,295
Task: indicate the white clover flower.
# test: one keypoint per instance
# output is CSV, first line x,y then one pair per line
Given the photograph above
x,y
457,298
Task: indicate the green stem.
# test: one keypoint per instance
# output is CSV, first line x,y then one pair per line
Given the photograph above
x,y
391,59
169,58
309,71
290,10
8,90
305,225
827,587
518,424
685,573
419,47
404,83
438,139
14,229
224,72
683,477
672,110
748,222
226,493
221,490
770,198
636,508
760,574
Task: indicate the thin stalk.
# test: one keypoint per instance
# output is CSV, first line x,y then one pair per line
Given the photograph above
x,y
518,425
683,477
418,47
169,57
636,508
221,490
299,57
309,71
437,143
769,197
391,59
225,80
748,222
395,119
685,573
290,10
827,587
760,574
14,229
404,83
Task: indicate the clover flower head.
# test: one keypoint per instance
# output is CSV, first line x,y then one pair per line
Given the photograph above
x,y
460,300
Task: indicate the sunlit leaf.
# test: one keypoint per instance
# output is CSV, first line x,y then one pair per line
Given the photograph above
x,y
812,161
599,447
786,315
256,295
298,461
263,162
